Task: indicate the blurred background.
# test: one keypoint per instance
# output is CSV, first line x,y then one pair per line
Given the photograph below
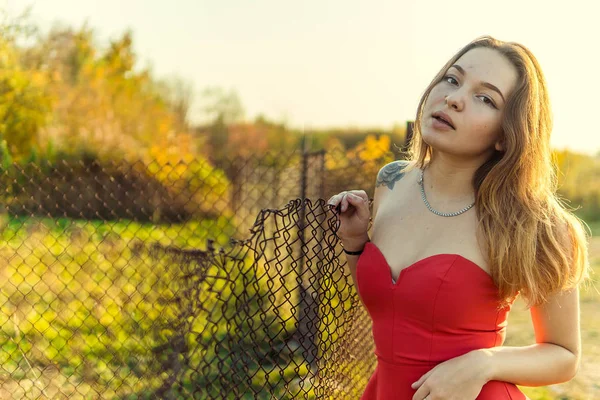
x,y
130,124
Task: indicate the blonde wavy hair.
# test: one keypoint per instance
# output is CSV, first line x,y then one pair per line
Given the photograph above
x,y
535,245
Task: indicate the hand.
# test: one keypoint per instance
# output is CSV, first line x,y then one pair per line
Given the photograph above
x,y
354,215
460,378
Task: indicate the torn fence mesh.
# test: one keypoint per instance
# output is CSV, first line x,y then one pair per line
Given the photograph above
x,y
272,316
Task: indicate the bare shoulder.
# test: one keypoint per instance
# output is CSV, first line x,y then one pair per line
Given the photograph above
x,y
391,173
387,177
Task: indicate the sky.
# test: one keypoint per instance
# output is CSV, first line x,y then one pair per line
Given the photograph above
x,y
346,63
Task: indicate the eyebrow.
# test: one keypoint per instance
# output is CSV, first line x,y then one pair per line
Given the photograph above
x,y
486,84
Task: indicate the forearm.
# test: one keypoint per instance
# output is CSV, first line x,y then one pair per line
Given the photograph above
x,y
536,365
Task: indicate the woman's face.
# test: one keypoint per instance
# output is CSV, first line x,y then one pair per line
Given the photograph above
x,y
472,95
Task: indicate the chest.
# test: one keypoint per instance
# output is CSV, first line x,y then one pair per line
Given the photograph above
x,y
405,231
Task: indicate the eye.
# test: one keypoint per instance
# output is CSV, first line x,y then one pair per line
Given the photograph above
x,y
450,79
487,101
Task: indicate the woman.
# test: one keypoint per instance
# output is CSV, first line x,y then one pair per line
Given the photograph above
x,y
468,223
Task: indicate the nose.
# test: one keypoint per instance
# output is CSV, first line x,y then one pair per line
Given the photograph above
x,y
455,101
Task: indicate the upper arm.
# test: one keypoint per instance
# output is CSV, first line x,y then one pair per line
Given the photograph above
x,y
387,177
557,321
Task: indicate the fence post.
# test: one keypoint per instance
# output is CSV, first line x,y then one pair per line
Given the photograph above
x,y
307,307
302,220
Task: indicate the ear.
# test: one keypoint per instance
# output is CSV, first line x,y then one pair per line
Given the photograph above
x,y
499,146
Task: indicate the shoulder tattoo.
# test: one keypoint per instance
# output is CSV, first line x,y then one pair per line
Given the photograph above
x,y
390,174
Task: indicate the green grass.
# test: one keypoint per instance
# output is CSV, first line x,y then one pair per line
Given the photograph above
x,y
86,312
77,306
80,307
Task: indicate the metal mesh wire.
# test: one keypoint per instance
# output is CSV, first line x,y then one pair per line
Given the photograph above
x,y
273,316
179,281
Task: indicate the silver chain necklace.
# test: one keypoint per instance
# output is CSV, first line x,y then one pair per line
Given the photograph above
x,y
441,214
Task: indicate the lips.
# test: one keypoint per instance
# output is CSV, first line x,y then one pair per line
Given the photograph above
x,y
443,117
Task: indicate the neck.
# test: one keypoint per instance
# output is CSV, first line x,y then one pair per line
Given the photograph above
x,y
450,181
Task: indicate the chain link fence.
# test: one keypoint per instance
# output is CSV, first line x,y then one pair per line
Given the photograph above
x,y
186,281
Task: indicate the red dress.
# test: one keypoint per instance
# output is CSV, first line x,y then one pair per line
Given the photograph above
x,y
440,307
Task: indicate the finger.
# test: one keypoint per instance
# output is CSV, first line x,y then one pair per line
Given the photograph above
x,y
354,200
361,206
422,379
334,200
361,193
334,206
421,394
344,203
338,208
359,197
417,384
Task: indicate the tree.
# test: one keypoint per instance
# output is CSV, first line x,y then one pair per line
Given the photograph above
x,y
178,94
222,106
24,102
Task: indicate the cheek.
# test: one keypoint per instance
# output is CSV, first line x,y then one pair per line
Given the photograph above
x,y
435,96
437,93
486,129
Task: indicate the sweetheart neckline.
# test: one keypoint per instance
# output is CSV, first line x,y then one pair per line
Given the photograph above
x,y
395,281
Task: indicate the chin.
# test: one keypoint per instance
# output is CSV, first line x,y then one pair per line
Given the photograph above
x,y
436,141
